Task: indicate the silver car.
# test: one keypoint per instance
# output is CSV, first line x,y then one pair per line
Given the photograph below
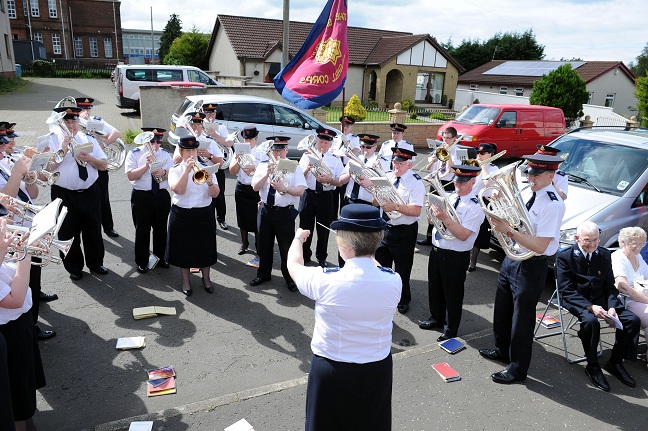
x,y
608,181
271,118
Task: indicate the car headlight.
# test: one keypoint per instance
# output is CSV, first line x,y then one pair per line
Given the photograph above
x,y
568,236
469,138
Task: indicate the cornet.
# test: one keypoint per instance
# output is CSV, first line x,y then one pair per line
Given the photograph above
x,y
20,208
29,179
144,139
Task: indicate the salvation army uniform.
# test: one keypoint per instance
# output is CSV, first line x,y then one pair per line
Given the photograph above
x,y
150,202
398,244
219,201
483,238
77,188
520,283
338,148
561,179
356,194
449,259
276,219
103,180
387,146
317,201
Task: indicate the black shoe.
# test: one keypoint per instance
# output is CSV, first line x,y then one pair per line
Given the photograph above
x,y
258,280
493,354
46,297
188,293
402,308
426,241
429,324
223,225
76,276
242,251
292,287
597,378
142,269
505,377
209,289
163,264
619,371
322,263
112,232
471,268
44,335
101,270
444,337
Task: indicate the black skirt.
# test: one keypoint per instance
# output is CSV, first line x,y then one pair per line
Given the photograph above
x,y
247,205
24,364
191,237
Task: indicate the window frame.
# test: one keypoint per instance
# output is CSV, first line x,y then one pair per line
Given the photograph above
x,y
108,51
56,43
78,46
503,90
11,9
53,11
94,47
34,9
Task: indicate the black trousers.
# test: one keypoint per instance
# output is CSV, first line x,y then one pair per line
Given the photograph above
x,y
316,206
519,286
219,201
590,333
6,410
83,223
446,277
338,200
275,222
397,247
35,286
106,213
150,211
344,396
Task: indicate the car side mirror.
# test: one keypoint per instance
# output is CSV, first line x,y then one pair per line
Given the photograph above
x,y
307,126
501,123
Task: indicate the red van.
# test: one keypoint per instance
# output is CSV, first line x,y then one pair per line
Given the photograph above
x,y
514,128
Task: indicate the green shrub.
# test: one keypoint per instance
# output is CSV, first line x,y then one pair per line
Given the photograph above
x,y
370,105
437,116
450,103
129,136
355,109
10,83
476,101
407,105
413,115
42,69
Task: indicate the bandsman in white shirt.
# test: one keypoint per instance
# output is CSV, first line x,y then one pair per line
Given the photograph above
x,y
111,134
355,194
150,199
449,258
277,213
397,141
317,201
339,149
77,187
561,179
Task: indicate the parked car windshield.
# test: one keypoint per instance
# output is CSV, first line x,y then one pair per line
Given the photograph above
x,y
478,115
611,168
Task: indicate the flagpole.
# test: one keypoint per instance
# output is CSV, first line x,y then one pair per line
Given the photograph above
x,y
286,36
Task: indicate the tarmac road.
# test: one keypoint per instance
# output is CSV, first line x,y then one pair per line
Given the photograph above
x,y
244,351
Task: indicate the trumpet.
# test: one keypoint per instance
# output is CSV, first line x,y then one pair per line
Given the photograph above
x,y
20,208
201,176
144,139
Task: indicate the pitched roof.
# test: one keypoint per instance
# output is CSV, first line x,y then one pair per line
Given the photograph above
x,y
589,71
256,38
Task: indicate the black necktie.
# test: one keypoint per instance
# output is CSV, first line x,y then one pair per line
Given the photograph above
x,y
155,186
319,188
456,204
397,182
588,258
271,197
531,201
83,172
356,187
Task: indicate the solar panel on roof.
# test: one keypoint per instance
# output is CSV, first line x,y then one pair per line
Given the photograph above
x,y
529,68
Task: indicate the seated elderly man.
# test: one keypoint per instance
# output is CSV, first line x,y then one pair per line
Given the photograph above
x,y
586,285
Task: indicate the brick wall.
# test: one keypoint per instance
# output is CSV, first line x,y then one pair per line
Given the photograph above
x,y
415,134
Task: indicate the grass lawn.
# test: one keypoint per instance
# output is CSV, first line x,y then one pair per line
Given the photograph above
x,y
8,84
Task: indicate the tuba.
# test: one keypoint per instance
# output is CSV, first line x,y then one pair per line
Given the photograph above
x,y
509,207
115,152
447,207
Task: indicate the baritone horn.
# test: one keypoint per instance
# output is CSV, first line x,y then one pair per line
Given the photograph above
x,y
115,151
144,139
444,204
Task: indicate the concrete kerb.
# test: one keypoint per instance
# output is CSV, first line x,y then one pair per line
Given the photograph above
x,y
213,403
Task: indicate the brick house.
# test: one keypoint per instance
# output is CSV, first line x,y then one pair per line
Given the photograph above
x,y
384,66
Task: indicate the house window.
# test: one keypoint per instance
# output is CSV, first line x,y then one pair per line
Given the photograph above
x,y
51,4
94,47
38,37
271,70
609,101
33,7
78,46
519,91
590,98
56,43
11,8
429,87
25,8
108,47
474,87
7,45
503,90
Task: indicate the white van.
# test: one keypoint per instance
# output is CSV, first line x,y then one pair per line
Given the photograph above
x,y
129,78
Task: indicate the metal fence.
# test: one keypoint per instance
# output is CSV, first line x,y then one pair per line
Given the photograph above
x,y
381,115
63,67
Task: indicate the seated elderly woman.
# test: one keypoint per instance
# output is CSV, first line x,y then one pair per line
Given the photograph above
x,y
350,378
631,272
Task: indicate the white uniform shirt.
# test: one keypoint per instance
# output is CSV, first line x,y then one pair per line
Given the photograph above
x,y
487,170
106,128
337,149
354,309
5,167
7,274
294,180
386,148
137,158
258,156
561,179
412,190
195,196
471,217
546,215
213,149
363,194
334,164
621,266
68,168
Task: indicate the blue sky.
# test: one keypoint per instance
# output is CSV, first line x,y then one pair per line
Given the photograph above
x,y
589,29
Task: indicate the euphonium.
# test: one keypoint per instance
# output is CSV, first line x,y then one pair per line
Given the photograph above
x,y
384,191
509,207
320,168
144,139
447,207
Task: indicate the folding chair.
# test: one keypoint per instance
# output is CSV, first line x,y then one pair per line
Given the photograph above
x,y
555,301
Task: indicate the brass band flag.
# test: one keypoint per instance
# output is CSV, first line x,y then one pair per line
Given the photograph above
x,y
316,74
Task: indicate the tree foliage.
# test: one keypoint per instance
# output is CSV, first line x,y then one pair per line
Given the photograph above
x,y
172,31
641,93
503,46
641,66
189,50
562,88
355,109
